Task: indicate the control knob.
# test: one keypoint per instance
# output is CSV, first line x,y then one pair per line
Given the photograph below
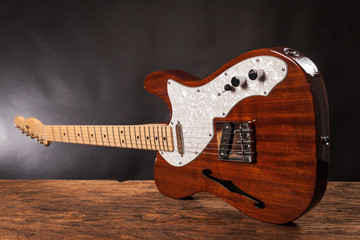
x,y
256,74
236,81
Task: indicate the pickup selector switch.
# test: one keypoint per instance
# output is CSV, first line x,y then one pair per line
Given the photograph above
x,y
256,74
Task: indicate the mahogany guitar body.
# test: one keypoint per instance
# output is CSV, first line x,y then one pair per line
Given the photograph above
x,y
255,133
289,174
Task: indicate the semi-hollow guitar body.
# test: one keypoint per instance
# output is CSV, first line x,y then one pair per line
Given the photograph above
x,y
288,172
254,133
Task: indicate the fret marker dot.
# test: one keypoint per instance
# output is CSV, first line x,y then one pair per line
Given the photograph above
x,y
104,136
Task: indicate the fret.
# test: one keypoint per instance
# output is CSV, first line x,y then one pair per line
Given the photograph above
x,y
169,138
67,133
138,137
133,137
159,138
147,136
109,136
122,136
120,132
164,138
71,134
142,133
112,136
53,134
78,135
59,133
91,133
152,137
63,138
128,137
63,133
104,135
116,136
74,133
98,137
85,135
156,138
161,141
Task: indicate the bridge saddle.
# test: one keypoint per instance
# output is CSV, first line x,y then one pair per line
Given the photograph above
x,y
236,141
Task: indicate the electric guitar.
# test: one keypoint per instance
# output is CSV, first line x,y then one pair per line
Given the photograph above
x,y
255,133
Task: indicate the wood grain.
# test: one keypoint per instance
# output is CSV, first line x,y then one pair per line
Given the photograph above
x,y
289,175
102,209
147,136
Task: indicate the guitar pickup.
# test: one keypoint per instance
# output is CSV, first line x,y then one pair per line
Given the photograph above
x,y
236,141
226,141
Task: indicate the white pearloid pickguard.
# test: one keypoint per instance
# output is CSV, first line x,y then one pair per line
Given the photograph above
x,y
196,107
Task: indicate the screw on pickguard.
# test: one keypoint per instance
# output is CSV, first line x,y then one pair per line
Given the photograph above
x,y
230,186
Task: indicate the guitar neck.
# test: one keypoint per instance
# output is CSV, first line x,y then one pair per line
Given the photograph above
x,y
149,136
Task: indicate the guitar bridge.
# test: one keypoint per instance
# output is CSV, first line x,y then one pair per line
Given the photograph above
x,y
236,141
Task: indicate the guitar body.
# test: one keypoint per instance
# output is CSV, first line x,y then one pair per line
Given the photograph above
x,y
254,133
289,174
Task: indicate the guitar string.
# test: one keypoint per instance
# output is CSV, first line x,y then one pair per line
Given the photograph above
x,y
140,139
142,142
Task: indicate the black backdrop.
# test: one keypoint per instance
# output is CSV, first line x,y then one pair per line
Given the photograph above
x,y
83,62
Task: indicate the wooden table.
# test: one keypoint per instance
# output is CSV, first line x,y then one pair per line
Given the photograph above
x,y
103,209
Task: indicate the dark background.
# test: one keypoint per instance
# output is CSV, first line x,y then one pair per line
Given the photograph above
x,y
83,62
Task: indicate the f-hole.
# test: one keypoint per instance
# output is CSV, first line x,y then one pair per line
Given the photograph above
x,y
230,186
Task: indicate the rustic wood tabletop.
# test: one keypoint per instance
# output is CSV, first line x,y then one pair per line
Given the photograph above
x,y
104,209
